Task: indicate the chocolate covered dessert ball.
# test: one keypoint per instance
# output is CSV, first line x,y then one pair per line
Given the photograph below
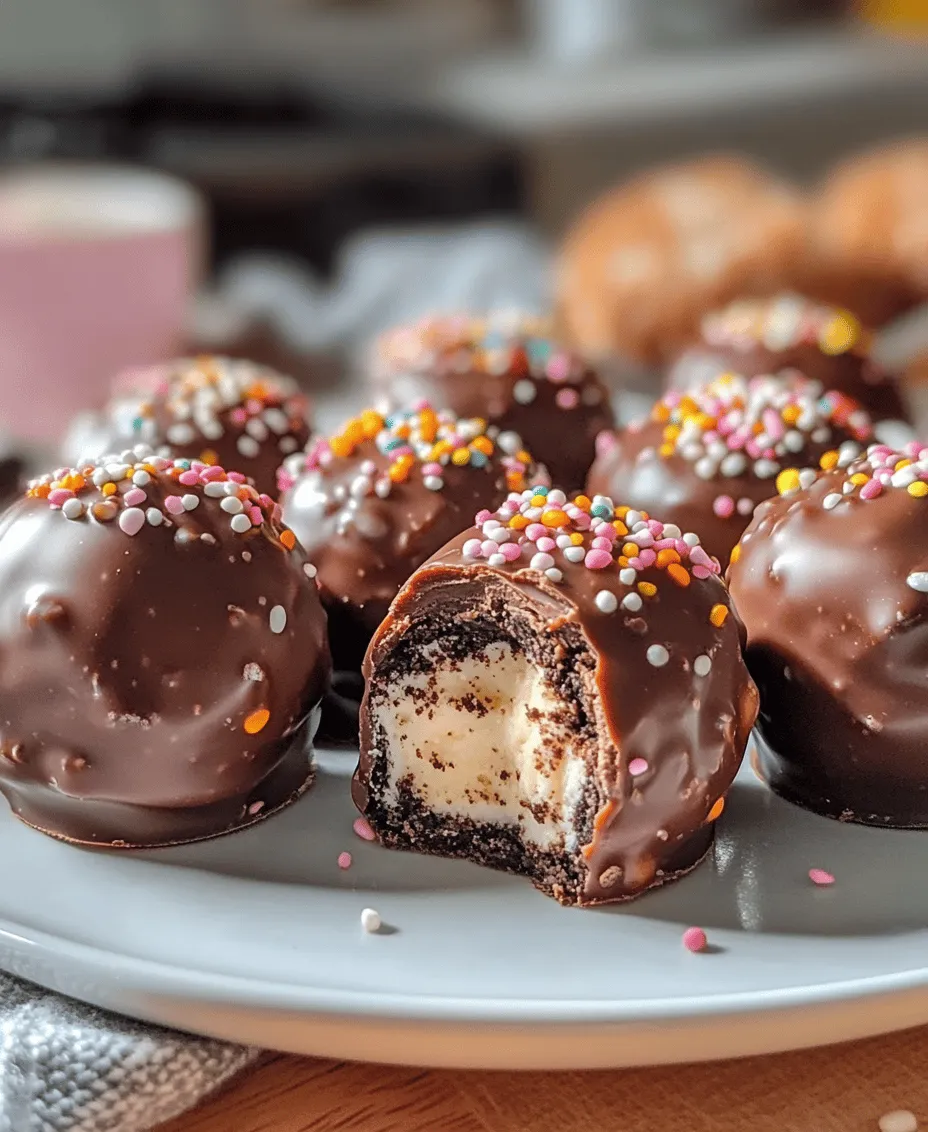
x,y
705,458
508,371
164,653
559,692
870,230
648,259
218,410
797,337
831,579
373,502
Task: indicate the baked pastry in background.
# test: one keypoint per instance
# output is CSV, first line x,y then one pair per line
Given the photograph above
x,y
646,261
164,653
795,336
222,411
559,692
831,579
509,371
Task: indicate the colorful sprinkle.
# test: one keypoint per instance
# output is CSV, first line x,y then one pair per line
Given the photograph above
x,y
362,828
718,615
821,877
278,619
717,809
344,860
371,921
256,721
637,767
694,939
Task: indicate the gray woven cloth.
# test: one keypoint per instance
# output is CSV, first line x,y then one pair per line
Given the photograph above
x,y
66,1067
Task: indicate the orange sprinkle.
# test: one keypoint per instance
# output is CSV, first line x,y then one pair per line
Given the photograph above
x,y
630,549
256,721
483,444
109,489
340,446
791,414
647,588
518,522
716,812
718,614
599,823
679,574
828,461
554,518
288,538
371,423
666,556
665,451
622,511
660,412
209,456
620,528
583,502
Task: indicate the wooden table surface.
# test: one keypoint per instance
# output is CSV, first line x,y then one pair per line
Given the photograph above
x,y
843,1088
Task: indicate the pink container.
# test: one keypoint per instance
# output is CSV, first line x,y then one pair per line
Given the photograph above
x,y
97,265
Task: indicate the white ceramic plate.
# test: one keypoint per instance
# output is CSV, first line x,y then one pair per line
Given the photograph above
x,y
256,937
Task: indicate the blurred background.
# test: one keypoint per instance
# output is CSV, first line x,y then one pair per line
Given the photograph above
x,y
335,166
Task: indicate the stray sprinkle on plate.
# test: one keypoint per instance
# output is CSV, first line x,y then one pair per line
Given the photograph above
x,y
694,939
371,921
344,860
821,877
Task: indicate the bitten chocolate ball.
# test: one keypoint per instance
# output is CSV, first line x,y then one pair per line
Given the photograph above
x,y
164,653
706,458
795,336
832,582
573,710
373,502
218,410
647,260
508,371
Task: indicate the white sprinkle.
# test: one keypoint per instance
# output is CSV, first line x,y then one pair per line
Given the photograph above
x,y
705,468
574,553
496,560
257,428
733,464
509,442
371,921
821,435
691,539
632,602
154,516
524,392
745,506
671,530
181,433
253,672
231,487
132,520
847,488
240,524
918,580
628,576
433,483
899,1120
382,488
278,619
807,477
247,446
541,561
793,441
190,502
116,472
276,420
631,517
287,444
658,656
556,498
554,575
831,500
72,509
765,469
141,478
563,541
215,489
702,665
848,453
232,505
309,569
497,534
606,601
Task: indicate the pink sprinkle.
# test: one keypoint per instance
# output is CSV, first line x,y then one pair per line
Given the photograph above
x,y
362,828
535,531
173,504
648,557
255,808
236,477
597,559
821,877
253,405
189,479
665,543
134,497
567,399
773,424
723,506
472,548
694,939
238,416
656,527
605,442
59,496
482,516
431,469
870,490
546,544
583,521
699,556
510,551
256,515
600,543
213,472
753,449
558,368
701,572
637,766
344,860
641,538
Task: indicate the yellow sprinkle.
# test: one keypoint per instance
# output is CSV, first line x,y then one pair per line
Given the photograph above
x,y
860,478
583,502
902,464
735,553
647,588
918,489
518,522
460,456
630,549
718,613
109,489
665,451
555,518
791,414
828,461
483,444
788,480
539,500
840,334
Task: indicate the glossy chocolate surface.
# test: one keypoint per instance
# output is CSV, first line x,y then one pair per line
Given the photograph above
x,y
833,590
709,482
223,411
509,372
792,335
641,698
160,668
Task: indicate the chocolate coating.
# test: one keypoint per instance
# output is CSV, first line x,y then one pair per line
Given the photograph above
x,y
838,643
795,335
507,371
678,464
366,533
223,411
622,680
161,669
